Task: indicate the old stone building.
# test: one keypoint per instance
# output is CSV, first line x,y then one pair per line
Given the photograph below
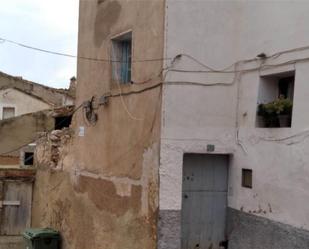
x,y
169,147
19,96
28,111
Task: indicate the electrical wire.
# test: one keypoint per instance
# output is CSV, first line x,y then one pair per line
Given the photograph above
x,y
305,132
121,94
261,67
204,65
81,105
124,104
276,55
3,40
18,148
136,91
33,140
199,83
225,70
143,138
210,69
90,117
170,69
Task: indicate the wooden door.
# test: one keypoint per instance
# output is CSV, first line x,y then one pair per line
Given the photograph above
x,y
204,201
15,207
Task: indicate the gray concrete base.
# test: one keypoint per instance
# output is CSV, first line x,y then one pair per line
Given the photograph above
x,y
169,226
244,231
247,231
11,242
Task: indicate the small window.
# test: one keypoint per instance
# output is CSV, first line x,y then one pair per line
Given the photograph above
x,y
8,112
122,58
286,87
247,178
62,122
275,101
28,159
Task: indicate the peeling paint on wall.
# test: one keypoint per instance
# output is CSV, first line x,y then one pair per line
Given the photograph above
x,y
109,200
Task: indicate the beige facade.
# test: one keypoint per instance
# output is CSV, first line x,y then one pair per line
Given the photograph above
x,y
19,96
20,103
123,163
25,110
104,188
53,96
22,130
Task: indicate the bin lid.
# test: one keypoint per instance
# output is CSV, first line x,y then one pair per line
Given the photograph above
x,y
36,233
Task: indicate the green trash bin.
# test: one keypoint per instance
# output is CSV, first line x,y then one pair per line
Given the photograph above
x,y
41,238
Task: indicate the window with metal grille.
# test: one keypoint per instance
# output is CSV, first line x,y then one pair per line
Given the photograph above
x,y
122,58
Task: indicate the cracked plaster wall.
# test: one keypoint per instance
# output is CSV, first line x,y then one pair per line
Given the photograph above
x,y
102,192
194,116
23,130
57,97
23,103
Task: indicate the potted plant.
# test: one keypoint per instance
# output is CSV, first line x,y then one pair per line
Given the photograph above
x,y
267,114
276,113
284,111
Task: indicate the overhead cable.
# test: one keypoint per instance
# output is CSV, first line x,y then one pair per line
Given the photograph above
x,y
33,140
3,40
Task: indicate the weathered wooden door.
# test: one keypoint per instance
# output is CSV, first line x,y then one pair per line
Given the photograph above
x,y
15,206
204,201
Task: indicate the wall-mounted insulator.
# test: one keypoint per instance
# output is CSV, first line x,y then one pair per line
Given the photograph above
x,y
103,100
87,104
261,56
89,112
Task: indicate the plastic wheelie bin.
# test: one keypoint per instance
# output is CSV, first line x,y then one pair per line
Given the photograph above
x,y
41,238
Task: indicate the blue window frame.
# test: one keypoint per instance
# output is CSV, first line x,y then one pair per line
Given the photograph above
x,y
122,58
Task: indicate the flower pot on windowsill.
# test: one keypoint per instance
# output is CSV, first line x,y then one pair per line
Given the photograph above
x,y
276,113
271,121
284,120
267,122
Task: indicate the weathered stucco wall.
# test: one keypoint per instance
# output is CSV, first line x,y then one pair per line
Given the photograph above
x,y
58,97
23,103
23,130
104,193
219,33
91,210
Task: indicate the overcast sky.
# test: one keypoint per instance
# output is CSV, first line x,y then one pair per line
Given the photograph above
x,y
50,25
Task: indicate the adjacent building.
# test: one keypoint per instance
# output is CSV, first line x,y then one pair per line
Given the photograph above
x,y
28,111
26,108
19,96
192,132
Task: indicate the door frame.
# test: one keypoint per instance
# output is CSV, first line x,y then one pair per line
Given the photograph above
x,y
229,158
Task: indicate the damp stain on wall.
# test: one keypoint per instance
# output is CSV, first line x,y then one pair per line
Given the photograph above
x,y
107,199
107,15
